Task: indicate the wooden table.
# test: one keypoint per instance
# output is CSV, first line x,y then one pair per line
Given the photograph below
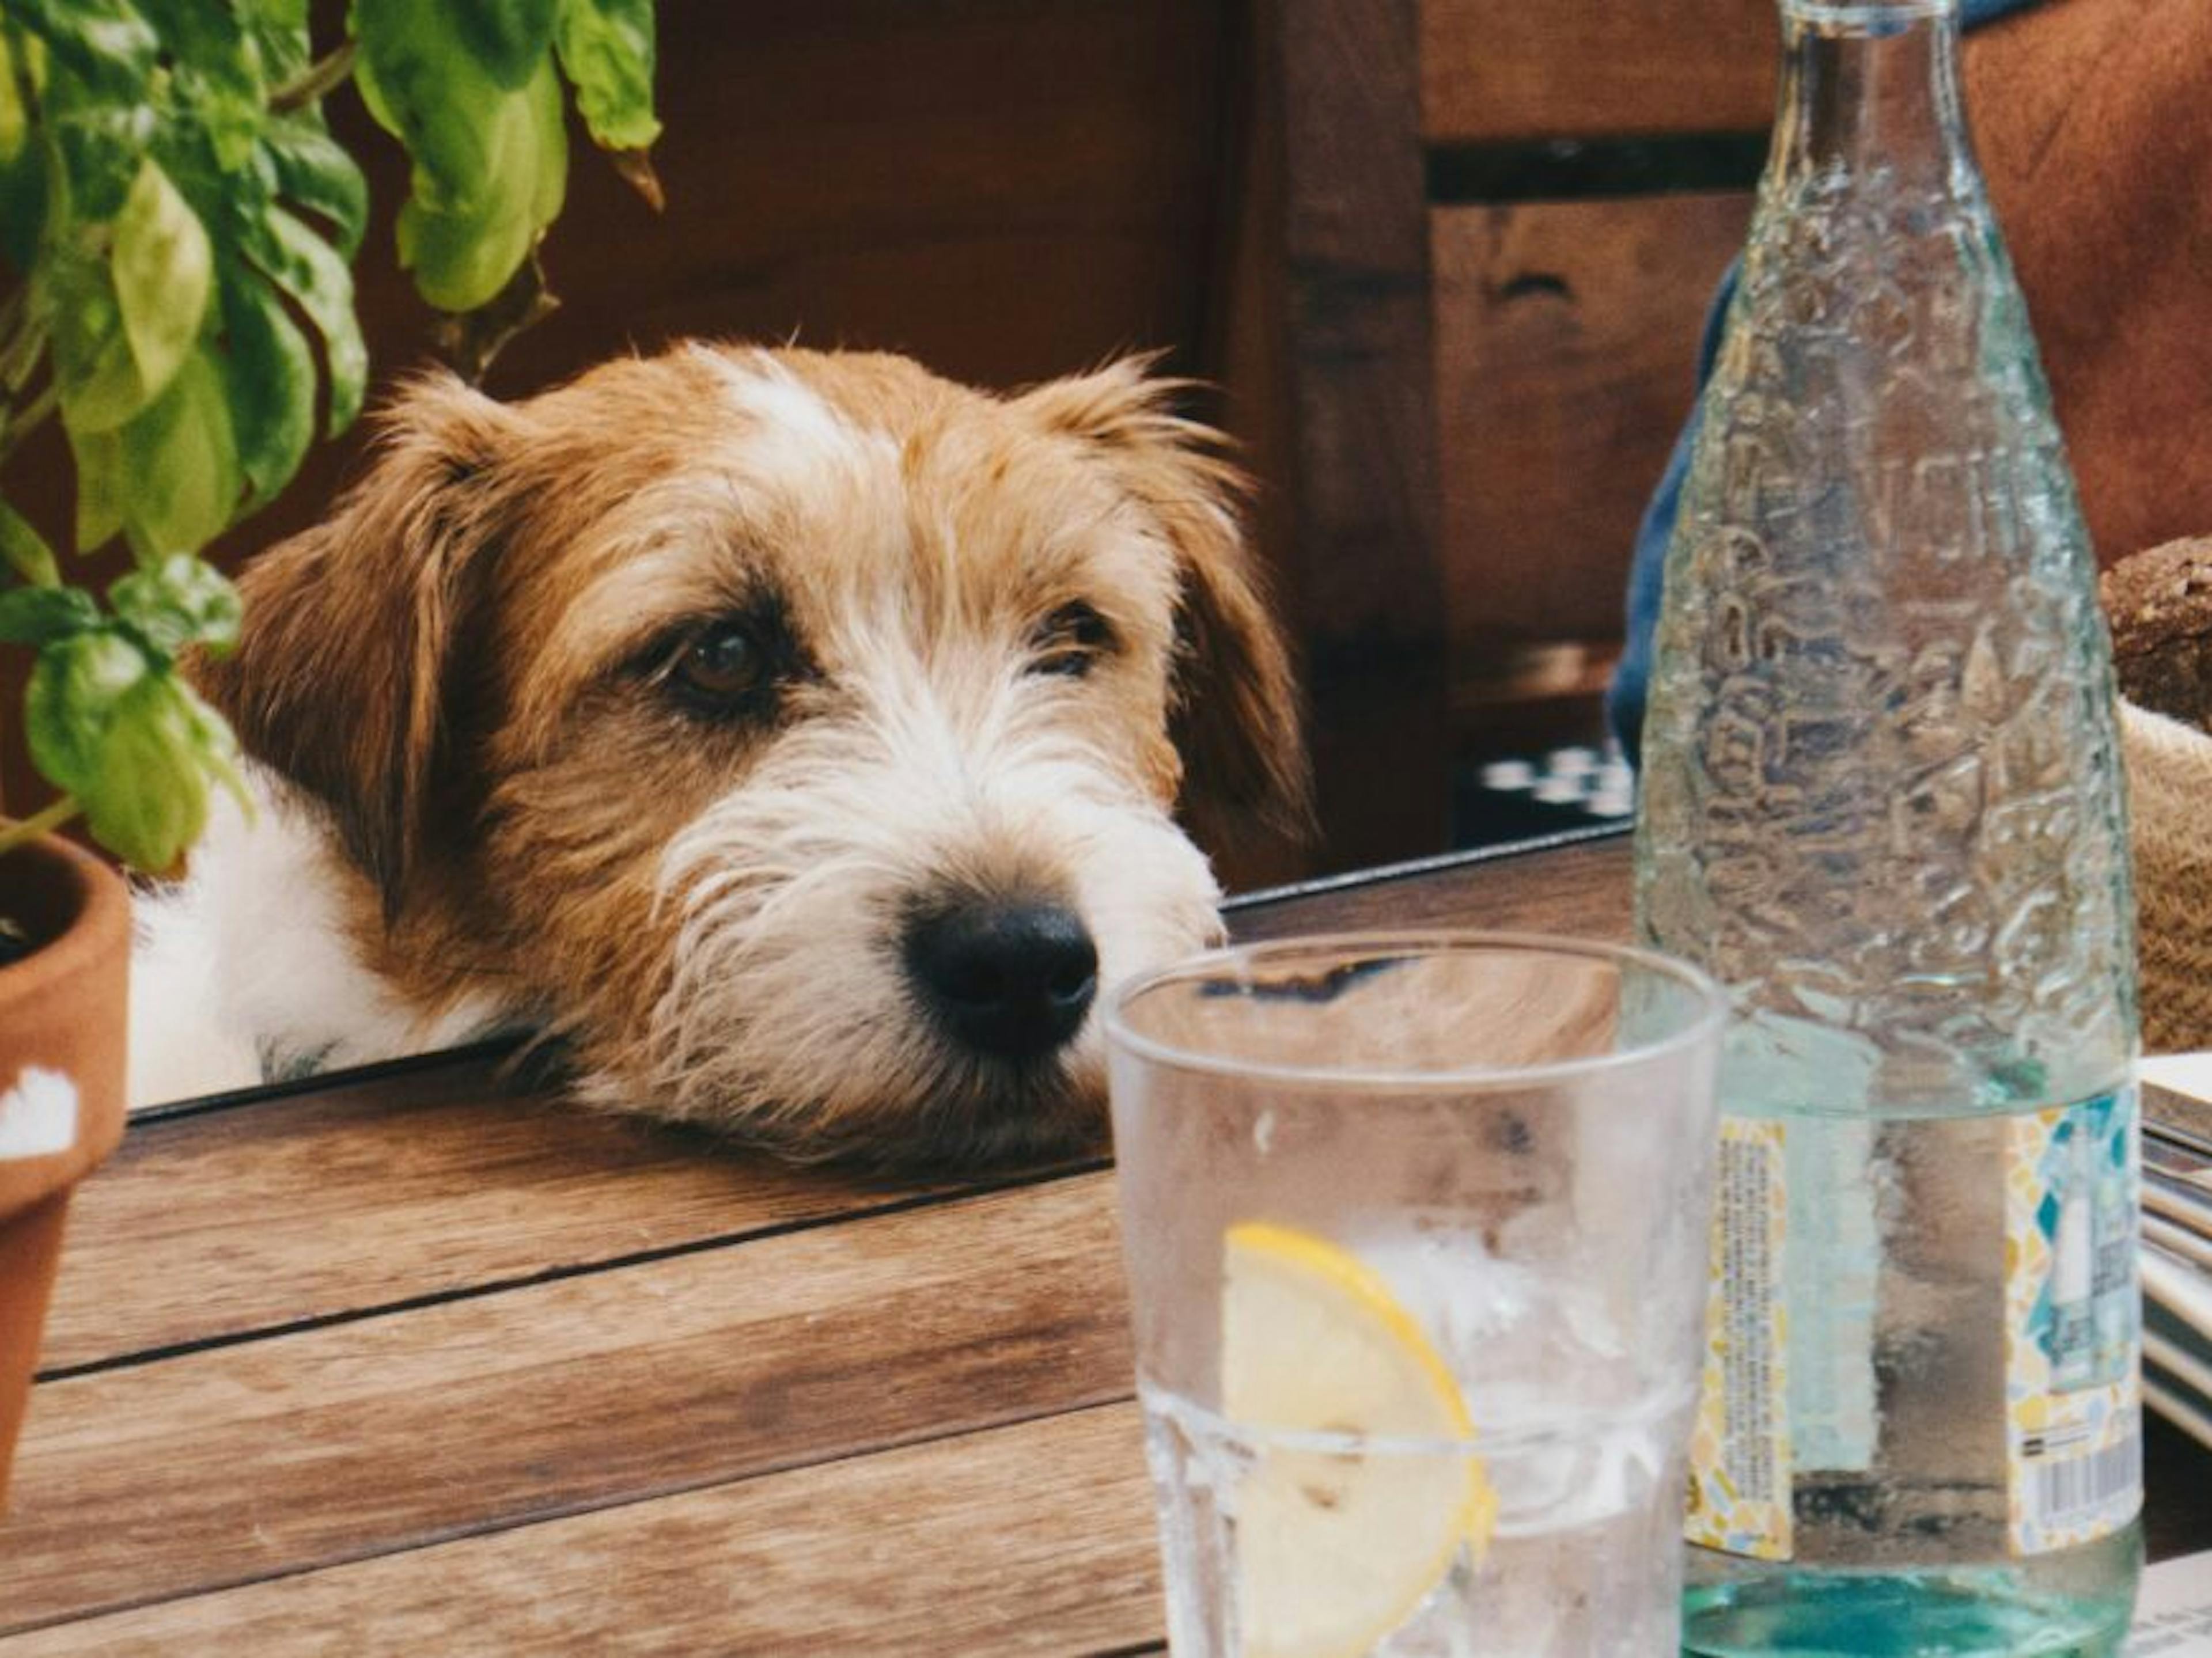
x,y
417,1365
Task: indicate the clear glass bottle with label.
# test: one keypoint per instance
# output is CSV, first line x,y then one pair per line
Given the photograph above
x,y
1881,802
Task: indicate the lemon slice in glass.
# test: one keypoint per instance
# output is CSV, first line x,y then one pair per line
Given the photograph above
x,y
1336,1546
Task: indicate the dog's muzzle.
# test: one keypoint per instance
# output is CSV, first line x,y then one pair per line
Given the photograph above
x,y
1012,979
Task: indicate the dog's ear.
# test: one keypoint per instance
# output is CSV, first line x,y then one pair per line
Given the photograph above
x,y
352,628
1235,720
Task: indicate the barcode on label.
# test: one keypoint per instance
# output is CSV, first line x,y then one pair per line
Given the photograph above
x,y
2080,1487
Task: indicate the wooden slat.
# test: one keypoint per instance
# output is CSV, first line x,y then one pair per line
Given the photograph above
x,y
1579,891
371,1194
1037,1538
1498,70
1566,352
275,1456
1327,348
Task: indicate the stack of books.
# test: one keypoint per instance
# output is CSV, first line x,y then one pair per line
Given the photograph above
x,y
2177,1248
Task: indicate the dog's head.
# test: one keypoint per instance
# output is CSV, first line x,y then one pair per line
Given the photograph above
x,y
800,737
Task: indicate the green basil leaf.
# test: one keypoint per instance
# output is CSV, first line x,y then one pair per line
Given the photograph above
x,y
69,706
315,274
33,616
102,138
149,800
510,37
22,164
106,43
462,255
95,370
163,270
15,120
425,86
279,27
268,371
181,481
606,49
216,78
176,604
314,171
24,550
215,746
99,486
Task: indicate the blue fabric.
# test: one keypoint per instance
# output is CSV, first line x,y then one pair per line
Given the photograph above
x,y
1624,696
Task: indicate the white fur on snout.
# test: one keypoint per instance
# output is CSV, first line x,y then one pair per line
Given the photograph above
x,y
789,1012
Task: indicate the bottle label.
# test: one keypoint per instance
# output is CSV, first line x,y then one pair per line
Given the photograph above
x,y
1740,1461
1796,1267
2072,1410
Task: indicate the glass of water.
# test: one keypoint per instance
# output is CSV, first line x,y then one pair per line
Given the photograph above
x,y
1418,1244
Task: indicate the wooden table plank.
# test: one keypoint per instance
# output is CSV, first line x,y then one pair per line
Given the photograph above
x,y
282,1211
372,1195
1034,1538
656,1396
1577,890
213,1468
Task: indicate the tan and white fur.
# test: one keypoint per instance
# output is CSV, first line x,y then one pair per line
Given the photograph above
x,y
722,716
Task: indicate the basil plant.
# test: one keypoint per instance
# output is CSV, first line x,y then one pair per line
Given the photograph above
x,y
177,228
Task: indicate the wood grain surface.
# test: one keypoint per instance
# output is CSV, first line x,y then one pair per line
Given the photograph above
x,y
368,1195
414,1364
1030,1539
384,1434
1566,358
1495,70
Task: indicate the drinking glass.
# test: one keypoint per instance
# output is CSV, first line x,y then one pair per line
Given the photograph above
x,y
1417,1237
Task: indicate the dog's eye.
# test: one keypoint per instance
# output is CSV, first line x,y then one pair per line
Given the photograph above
x,y
1071,641
724,667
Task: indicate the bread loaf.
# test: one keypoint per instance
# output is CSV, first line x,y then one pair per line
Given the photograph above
x,y
2159,604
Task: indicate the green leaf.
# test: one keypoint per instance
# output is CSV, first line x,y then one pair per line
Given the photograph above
x,y
95,367
314,171
606,49
102,138
462,255
15,120
163,275
24,550
279,27
22,166
33,616
180,476
132,740
104,42
77,686
508,37
426,87
99,486
269,372
176,604
315,274
216,78
150,802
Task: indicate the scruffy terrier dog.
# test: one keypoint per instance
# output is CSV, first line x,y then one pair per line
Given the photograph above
x,y
795,740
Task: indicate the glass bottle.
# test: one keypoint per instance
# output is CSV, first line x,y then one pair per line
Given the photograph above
x,y
1882,802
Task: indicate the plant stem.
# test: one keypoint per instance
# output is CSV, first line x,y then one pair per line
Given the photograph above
x,y
14,835
318,77
22,339
16,424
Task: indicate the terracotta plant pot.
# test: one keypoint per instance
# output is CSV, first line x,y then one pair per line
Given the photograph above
x,y
62,1016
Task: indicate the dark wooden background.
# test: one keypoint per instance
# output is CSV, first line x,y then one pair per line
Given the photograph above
x,y
1445,259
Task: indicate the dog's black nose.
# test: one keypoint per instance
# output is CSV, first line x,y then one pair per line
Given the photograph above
x,y
1010,978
